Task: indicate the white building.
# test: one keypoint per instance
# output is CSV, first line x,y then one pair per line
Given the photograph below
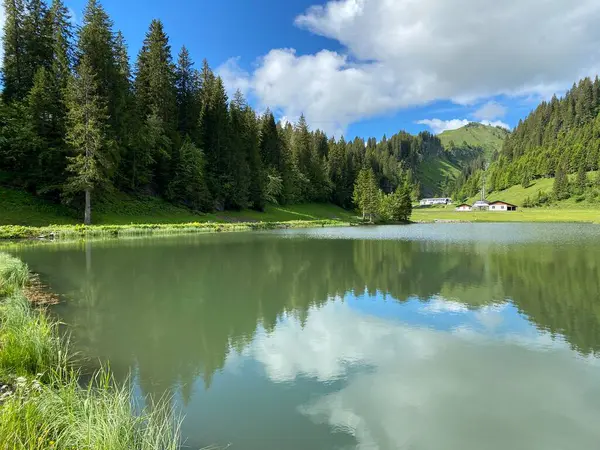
x,y
502,206
481,205
463,207
435,201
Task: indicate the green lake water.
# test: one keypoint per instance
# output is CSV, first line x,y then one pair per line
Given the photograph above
x,y
420,337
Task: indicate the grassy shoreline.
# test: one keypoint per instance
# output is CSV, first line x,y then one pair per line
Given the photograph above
x,y
54,232
43,405
522,215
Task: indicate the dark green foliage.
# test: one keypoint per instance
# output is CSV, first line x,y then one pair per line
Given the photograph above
x,y
189,185
91,165
540,199
397,206
187,86
97,43
13,64
560,137
367,196
167,129
581,181
561,183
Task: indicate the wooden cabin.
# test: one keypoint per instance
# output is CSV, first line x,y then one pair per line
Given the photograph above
x,y
502,206
463,207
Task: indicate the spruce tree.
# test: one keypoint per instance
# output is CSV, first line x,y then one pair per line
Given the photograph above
x,y
270,145
91,166
156,106
38,38
582,180
188,91
97,44
14,80
256,189
214,131
188,185
155,77
239,142
302,157
561,183
366,194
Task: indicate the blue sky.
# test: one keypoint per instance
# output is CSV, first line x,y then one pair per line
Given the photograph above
x,y
369,67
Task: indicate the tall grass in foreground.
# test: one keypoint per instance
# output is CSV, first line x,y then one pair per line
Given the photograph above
x,y
42,404
62,415
13,274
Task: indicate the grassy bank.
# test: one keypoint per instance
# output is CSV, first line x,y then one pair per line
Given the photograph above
x,y
522,215
24,216
42,404
99,231
18,207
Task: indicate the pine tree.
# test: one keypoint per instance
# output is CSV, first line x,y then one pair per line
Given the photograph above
x,y
302,157
561,183
90,167
188,91
239,142
189,185
214,131
366,194
156,105
97,43
14,69
582,180
155,77
38,38
526,179
270,145
256,189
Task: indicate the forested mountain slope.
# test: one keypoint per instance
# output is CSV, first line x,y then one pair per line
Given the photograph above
x,y
560,137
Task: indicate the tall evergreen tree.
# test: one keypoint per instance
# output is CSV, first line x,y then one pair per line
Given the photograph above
x,y
582,181
14,71
214,131
38,38
156,104
561,183
366,194
188,91
90,167
256,188
97,43
188,185
239,143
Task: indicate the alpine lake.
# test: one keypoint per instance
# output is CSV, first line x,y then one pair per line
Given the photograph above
x,y
420,337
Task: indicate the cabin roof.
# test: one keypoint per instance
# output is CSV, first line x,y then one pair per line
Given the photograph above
x,y
500,202
463,204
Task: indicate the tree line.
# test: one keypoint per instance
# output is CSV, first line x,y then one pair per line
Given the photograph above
x,y
78,121
560,137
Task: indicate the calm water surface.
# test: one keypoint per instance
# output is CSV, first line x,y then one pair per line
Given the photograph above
x,y
448,336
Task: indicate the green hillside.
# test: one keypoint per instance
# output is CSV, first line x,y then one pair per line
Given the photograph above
x,y
489,138
433,172
18,207
517,194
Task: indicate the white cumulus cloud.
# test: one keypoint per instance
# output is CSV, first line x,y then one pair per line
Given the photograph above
x,y
439,126
490,111
414,387
401,53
